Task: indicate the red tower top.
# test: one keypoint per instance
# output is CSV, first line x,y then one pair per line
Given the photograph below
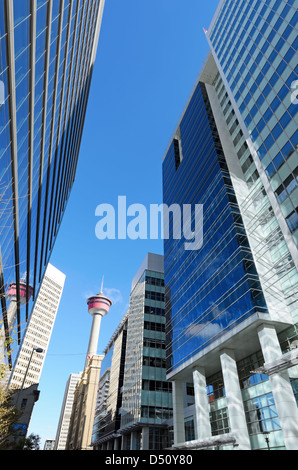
x,y
99,304
12,292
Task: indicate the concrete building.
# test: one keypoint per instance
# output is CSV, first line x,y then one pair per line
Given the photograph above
x,y
29,363
49,444
134,406
107,417
81,421
232,306
65,414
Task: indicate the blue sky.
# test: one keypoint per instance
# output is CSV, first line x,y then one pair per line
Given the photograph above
x,y
149,56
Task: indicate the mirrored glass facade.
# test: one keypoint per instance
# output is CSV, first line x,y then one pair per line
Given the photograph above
x,y
47,51
212,289
235,152
255,44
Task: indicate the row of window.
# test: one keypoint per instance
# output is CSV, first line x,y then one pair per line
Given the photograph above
x,y
154,296
157,386
154,362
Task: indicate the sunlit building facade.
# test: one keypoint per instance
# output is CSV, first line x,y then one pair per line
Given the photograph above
x,y
47,53
231,314
65,414
134,403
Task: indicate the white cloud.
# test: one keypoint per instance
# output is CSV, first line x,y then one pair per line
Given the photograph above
x,y
204,330
113,294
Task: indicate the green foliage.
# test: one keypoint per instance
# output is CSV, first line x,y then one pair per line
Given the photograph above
x,y
9,414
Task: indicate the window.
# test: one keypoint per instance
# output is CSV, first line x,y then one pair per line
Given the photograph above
x,y
261,414
219,422
292,221
177,152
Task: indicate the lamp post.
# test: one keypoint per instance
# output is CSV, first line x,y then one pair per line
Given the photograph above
x,y
38,350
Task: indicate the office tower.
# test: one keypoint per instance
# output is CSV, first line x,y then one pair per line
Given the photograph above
x,y
39,330
146,398
27,371
109,394
255,49
134,403
232,309
65,414
47,53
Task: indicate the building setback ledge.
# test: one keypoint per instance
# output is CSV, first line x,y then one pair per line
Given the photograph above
x,y
243,339
201,444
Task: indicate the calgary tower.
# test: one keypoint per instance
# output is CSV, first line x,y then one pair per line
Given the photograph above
x,y
98,307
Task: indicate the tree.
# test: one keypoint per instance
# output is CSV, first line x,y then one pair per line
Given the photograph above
x,y
27,443
9,414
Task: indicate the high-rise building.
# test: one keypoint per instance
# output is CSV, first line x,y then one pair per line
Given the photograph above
x,y
39,330
26,373
109,394
47,53
64,419
232,305
134,404
79,435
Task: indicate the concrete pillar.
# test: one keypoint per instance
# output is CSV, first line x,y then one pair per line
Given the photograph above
x,y
178,412
234,400
133,441
116,443
201,404
145,438
281,388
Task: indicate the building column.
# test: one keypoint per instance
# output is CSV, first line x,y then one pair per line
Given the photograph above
x,y
234,400
201,404
281,388
178,412
116,443
133,440
145,438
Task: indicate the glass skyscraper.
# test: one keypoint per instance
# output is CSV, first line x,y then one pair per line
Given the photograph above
x,y
47,52
231,314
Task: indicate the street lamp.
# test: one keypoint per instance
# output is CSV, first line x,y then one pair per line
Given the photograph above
x,y
38,350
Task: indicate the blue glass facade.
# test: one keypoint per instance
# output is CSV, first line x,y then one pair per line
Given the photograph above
x,y
46,58
212,289
255,44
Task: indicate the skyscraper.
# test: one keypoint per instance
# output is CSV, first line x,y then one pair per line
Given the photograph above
x,y
232,310
134,405
39,329
109,394
47,53
25,377
65,414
